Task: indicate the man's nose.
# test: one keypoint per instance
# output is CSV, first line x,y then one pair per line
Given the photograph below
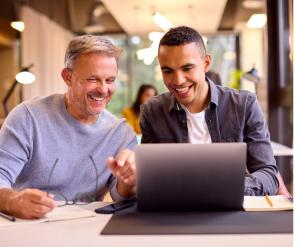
x,y
179,78
102,87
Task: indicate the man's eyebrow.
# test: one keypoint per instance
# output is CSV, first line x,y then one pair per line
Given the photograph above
x,y
183,66
166,67
188,65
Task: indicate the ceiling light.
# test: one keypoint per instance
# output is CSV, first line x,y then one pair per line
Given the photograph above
x,y
18,25
205,40
155,36
162,21
94,29
256,21
99,10
135,40
253,4
148,54
142,53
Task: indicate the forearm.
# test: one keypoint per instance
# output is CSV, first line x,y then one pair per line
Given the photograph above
x,y
118,192
260,183
260,160
262,178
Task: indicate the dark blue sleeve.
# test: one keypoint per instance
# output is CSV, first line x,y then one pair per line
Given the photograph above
x,y
262,170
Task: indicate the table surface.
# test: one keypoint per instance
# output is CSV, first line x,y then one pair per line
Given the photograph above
x,y
281,150
278,149
86,232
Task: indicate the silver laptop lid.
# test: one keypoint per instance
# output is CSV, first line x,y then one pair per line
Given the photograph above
x,y
173,177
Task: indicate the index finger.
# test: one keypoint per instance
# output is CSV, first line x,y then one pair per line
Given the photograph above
x,y
112,165
123,156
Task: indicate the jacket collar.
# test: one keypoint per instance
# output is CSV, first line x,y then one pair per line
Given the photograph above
x,y
213,91
174,105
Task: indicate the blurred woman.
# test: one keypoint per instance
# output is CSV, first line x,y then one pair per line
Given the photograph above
x,y
145,92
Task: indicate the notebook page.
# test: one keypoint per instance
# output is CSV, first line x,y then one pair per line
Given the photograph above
x,y
259,203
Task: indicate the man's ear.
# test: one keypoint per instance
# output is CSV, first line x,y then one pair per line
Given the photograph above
x,y
66,75
207,62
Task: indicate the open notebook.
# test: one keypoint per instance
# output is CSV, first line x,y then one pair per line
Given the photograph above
x,y
260,203
59,213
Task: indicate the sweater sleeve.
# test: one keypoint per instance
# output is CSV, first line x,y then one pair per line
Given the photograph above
x,y
15,145
128,141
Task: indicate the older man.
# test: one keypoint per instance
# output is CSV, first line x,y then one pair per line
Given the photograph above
x,y
57,148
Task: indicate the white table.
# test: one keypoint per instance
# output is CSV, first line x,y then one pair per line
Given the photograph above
x,y
281,150
278,149
86,233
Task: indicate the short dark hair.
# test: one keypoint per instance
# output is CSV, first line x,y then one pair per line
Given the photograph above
x,y
183,35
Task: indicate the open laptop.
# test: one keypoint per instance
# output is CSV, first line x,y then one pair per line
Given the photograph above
x,y
189,177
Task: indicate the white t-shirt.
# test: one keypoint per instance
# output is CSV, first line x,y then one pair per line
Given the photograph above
x,y
197,128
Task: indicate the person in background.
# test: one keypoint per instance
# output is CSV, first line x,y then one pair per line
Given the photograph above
x,y
131,114
195,110
214,76
64,147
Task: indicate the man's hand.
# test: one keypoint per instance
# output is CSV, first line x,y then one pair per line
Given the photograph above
x,y
28,203
123,167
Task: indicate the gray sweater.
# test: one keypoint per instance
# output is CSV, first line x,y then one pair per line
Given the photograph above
x,y
42,146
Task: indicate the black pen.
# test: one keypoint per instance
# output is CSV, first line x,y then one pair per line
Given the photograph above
x,y
8,217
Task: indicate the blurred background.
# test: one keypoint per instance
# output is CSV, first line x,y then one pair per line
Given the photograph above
x,y
250,41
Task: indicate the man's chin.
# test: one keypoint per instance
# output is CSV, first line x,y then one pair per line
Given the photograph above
x,y
183,101
96,111
96,108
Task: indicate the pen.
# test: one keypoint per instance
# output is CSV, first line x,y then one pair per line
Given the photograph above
x,y
8,217
269,201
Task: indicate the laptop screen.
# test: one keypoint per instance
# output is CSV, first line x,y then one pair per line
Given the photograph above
x,y
188,177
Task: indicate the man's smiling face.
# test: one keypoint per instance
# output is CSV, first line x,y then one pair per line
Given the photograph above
x,y
91,84
183,69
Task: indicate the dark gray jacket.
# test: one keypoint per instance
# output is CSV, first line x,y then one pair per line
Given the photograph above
x,y
231,116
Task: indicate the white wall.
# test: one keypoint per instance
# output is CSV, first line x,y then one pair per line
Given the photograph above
x,y
43,43
253,48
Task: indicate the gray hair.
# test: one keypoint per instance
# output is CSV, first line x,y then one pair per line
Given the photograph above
x,y
89,44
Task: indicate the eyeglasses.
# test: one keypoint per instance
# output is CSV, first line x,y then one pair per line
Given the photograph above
x,y
81,198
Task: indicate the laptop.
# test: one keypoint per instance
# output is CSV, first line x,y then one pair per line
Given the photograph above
x,y
190,177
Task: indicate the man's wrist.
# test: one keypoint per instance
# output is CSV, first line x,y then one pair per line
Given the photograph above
x,y
125,190
6,198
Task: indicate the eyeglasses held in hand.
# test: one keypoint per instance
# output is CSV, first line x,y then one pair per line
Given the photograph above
x,y
81,198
